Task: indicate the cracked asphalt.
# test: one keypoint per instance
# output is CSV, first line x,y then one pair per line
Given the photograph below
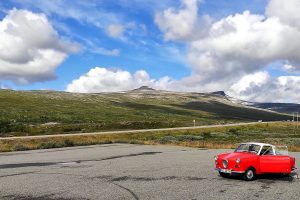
x,y
124,171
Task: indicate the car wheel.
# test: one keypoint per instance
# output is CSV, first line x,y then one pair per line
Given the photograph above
x,y
225,175
249,174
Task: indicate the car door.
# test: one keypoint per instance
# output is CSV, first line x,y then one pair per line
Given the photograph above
x,y
271,163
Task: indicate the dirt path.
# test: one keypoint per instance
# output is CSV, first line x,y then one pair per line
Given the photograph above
x,y
131,131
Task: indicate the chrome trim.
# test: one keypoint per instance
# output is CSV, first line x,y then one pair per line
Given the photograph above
x,y
232,172
237,172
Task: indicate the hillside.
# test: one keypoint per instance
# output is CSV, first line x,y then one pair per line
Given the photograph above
x,y
279,107
50,112
286,108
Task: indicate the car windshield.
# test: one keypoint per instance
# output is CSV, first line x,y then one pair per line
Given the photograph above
x,y
251,148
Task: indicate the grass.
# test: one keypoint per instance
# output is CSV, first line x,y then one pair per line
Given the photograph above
x,y
46,112
283,133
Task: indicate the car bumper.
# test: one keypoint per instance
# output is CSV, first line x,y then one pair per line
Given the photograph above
x,y
229,171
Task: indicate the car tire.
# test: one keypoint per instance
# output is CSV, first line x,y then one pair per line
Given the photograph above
x,y
225,175
249,174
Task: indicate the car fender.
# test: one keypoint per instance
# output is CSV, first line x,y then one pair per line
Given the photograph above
x,y
252,162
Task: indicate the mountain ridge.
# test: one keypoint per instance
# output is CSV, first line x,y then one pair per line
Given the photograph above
x,y
286,108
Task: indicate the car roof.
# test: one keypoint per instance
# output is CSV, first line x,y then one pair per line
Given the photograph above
x,y
258,143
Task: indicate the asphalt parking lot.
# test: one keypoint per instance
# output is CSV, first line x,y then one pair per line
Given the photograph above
x,y
123,171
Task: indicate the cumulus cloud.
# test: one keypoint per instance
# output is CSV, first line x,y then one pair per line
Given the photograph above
x,y
243,43
239,45
100,79
141,77
251,80
113,23
228,54
178,24
30,49
261,87
286,11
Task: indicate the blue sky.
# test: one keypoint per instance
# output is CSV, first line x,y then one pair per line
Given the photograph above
x,y
153,56
131,37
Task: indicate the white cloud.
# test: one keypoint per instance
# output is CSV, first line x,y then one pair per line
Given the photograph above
x,y
30,49
113,23
230,54
286,10
178,24
142,78
100,79
115,30
246,87
287,67
261,87
250,80
240,45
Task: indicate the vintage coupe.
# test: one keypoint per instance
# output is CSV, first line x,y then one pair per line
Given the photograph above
x,y
250,159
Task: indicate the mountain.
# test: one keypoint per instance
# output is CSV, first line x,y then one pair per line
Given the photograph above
x,y
220,93
143,89
46,112
288,108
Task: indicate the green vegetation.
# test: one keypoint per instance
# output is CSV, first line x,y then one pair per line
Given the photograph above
x,y
283,133
46,112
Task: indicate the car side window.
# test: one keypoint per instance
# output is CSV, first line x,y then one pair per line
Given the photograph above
x,y
267,150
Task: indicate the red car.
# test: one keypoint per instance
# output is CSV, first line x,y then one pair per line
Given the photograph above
x,y
250,159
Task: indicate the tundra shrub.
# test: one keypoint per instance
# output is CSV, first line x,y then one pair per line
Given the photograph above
x,y
49,145
20,147
207,135
166,139
233,131
189,138
68,143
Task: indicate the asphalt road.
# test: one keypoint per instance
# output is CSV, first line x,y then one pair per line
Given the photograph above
x,y
123,171
131,131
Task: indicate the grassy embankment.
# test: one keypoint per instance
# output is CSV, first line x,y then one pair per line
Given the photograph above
x,y
221,137
46,112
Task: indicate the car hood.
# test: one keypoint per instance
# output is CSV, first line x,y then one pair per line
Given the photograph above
x,y
235,155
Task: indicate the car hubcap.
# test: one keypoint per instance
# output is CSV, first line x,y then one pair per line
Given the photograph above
x,y
250,174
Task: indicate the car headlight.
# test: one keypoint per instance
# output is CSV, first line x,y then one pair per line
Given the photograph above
x,y
216,158
238,160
